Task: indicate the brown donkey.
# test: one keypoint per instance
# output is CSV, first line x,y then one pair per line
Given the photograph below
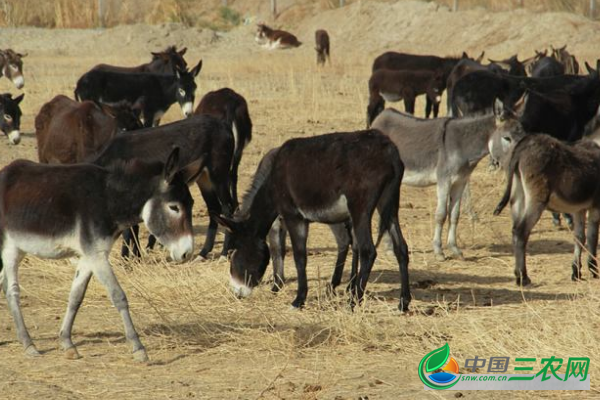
x,y
273,39
322,47
59,211
68,131
391,85
546,173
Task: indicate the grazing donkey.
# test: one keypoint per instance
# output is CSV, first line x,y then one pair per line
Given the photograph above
x,y
200,136
69,132
11,66
61,211
278,233
322,47
158,91
10,117
394,85
164,62
273,39
335,178
546,173
232,109
442,151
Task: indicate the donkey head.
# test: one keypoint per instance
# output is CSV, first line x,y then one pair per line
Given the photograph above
x,y
186,88
12,66
250,258
436,87
169,60
168,213
127,116
508,132
262,32
10,117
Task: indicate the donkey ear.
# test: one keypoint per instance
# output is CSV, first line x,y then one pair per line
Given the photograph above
x,y
589,68
191,172
227,223
499,110
182,51
22,55
109,110
196,69
172,165
18,99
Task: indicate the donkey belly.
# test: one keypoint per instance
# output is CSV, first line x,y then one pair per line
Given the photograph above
x,y
64,246
391,97
424,177
332,214
558,204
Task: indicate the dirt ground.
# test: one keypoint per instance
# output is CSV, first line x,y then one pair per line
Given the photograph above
x,y
205,343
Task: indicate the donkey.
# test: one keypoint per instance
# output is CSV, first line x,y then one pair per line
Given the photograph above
x,y
200,136
10,120
413,62
568,61
69,132
442,151
78,210
232,109
322,47
278,233
393,85
349,175
273,39
11,66
158,91
164,62
546,173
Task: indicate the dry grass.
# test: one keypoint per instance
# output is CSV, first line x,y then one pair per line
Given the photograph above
x,y
205,343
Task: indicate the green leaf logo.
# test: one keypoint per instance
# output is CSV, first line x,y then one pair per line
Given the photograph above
x,y
432,361
437,358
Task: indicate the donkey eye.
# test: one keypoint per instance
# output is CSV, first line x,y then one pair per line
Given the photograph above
x,y
7,117
174,208
182,92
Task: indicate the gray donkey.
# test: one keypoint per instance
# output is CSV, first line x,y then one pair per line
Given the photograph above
x,y
442,151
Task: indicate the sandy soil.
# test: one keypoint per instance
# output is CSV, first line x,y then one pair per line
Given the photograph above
x,y
203,342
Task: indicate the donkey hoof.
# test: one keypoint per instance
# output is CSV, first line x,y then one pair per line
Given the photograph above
x,y
200,258
140,356
440,257
72,354
523,281
31,351
222,259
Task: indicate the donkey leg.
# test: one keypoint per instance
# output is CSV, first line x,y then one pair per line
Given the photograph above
x,y
298,230
367,254
131,240
443,189
104,273
456,194
522,226
469,203
569,220
343,240
11,256
556,219
78,289
592,241
276,238
436,110
151,242
579,233
401,253
409,105
214,207
428,106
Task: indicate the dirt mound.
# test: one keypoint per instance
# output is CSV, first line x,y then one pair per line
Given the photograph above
x,y
419,27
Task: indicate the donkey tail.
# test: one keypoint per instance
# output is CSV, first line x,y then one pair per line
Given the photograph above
x,y
390,201
514,164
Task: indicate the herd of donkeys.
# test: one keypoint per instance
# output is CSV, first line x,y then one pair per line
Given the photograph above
x,y
537,118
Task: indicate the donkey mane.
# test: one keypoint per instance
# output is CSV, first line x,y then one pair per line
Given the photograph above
x,y
263,172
